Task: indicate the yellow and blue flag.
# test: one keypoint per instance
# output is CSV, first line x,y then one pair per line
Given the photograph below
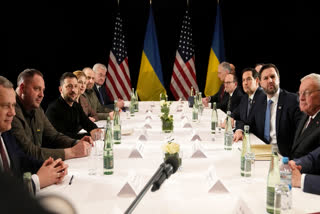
x,y
150,81
216,57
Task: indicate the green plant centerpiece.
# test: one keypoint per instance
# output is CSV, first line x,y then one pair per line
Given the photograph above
x,y
166,119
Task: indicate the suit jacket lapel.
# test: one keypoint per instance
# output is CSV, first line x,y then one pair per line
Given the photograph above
x,y
298,135
279,111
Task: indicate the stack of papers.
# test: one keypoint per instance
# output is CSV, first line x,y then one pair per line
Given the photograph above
x,y
262,151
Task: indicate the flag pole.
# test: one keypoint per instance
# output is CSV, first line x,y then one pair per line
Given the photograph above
x,y
118,2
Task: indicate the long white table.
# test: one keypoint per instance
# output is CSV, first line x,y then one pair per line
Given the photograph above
x,y
186,191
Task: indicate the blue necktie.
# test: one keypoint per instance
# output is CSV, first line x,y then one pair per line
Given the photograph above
x,y
267,122
249,106
101,97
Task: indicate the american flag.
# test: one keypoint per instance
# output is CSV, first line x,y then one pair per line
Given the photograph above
x,y
184,71
118,77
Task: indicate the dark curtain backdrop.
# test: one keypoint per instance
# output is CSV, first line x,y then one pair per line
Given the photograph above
x,y
56,39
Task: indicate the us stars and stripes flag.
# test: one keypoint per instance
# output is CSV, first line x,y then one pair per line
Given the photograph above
x,y
118,77
184,71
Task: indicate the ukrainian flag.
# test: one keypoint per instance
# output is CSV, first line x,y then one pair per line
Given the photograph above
x,y
216,57
150,81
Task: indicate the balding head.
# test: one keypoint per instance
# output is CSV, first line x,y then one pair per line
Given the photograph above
x,y
90,77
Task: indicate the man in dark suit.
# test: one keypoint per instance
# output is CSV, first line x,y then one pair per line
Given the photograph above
x,y
100,74
307,137
233,94
224,68
309,166
12,160
277,116
247,106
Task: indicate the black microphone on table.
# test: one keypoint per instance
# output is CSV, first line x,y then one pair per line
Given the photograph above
x,y
170,166
165,170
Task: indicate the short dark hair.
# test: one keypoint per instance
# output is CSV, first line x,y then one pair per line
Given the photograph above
x,y
65,76
266,66
253,71
5,82
28,74
235,79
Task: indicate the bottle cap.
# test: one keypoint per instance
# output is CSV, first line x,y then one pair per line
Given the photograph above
x,y
285,160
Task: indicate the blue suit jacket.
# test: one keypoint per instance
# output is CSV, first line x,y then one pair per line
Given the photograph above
x,y
106,100
19,161
240,113
309,139
311,166
288,116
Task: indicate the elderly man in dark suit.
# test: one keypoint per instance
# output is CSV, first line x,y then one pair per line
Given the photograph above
x,y
276,116
307,137
309,166
247,106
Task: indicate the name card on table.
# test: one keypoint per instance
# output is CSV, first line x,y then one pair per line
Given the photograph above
x,y
215,184
131,187
137,150
198,150
186,123
241,208
144,135
195,136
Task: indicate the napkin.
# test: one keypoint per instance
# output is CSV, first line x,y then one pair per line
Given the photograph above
x,y
127,191
195,136
215,184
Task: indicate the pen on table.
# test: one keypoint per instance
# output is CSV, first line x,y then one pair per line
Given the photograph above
x,y
70,182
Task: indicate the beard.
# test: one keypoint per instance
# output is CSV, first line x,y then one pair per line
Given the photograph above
x,y
68,98
271,91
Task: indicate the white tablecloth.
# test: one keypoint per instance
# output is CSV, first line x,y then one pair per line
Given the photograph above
x,y
186,191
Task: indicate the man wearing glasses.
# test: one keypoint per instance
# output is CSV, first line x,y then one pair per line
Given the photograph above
x,y
307,137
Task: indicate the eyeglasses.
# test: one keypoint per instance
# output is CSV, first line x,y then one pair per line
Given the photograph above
x,y
228,83
306,93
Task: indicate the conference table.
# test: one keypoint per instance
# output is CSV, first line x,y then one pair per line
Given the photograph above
x,y
209,182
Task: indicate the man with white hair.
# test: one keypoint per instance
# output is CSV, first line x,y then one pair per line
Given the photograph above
x,y
307,137
100,74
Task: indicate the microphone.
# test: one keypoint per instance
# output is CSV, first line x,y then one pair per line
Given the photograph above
x,y
170,166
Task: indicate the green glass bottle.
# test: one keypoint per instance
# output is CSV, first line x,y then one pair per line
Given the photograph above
x,y
108,161
228,134
273,179
214,118
132,103
195,110
116,125
28,182
136,102
245,149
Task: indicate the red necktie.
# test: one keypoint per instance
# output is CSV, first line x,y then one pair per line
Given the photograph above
x,y
4,158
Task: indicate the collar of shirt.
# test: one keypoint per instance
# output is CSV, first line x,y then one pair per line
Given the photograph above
x,y
252,95
98,86
315,114
275,98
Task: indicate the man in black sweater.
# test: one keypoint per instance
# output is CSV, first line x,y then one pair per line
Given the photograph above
x,y
65,114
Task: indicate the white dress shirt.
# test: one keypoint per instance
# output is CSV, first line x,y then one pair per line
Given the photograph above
x,y
273,116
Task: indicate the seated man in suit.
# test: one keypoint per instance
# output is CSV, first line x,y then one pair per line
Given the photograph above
x,y
307,136
277,116
100,74
102,111
250,85
224,68
12,159
65,114
233,94
32,129
309,166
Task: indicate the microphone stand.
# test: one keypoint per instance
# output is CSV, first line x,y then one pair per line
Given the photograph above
x,y
145,189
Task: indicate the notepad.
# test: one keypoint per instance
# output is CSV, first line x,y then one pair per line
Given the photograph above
x,y
261,151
